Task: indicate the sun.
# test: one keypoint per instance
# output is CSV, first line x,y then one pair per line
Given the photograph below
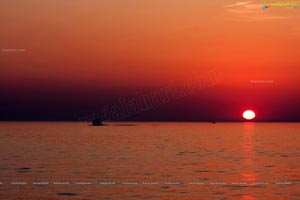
x,y
249,114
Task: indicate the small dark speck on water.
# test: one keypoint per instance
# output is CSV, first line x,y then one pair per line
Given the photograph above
x,y
66,194
201,171
183,192
24,168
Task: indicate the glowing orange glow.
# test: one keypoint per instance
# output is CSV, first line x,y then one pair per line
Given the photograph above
x,y
249,114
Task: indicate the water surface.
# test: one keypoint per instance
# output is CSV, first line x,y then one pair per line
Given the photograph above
x,y
153,160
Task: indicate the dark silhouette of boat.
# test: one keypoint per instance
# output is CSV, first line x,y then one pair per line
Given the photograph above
x,y
97,122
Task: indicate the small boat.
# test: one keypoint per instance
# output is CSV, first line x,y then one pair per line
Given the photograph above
x,y
97,122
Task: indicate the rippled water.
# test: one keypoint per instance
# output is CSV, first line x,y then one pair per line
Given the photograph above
x,y
68,160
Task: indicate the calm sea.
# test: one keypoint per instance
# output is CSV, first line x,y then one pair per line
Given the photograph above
x,y
154,160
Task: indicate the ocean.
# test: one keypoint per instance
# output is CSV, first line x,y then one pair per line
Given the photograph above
x,y
149,160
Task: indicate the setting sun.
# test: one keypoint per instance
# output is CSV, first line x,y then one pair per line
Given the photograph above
x,y
249,114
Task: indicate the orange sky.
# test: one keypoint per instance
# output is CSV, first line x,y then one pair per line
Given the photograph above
x,y
112,44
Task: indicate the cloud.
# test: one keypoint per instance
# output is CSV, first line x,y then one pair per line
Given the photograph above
x,y
237,4
246,8
247,11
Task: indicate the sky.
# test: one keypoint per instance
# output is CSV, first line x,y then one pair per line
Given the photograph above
x,y
65,60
